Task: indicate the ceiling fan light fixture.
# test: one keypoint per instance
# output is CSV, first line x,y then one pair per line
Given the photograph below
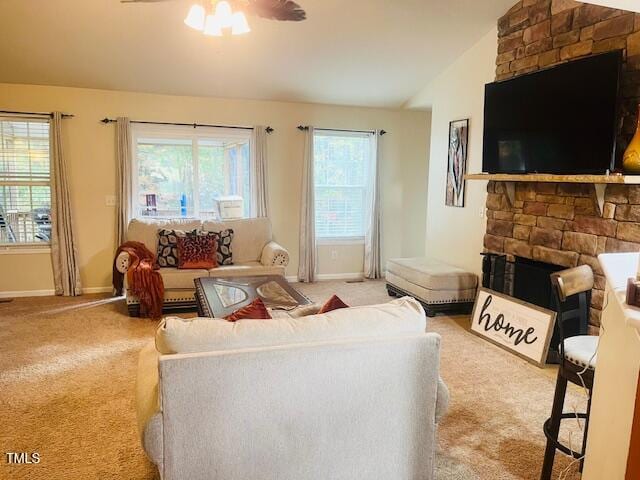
x,y
239,24
196,17
213,26
224,14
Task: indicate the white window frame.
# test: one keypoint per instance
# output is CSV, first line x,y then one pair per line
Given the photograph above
x,y
348,240
181,132
29,247
340,241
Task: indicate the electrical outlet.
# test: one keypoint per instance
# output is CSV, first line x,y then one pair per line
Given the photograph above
x,y
334,254
110,200
482,212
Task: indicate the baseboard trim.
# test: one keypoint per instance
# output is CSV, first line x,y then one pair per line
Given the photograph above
x,y
340,276
50,293
89,290
323,277
27,293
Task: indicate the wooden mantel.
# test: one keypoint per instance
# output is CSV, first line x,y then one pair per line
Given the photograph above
x,y
549,178
599,182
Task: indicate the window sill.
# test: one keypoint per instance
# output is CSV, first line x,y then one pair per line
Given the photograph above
x,y
191,218
340,241
24,250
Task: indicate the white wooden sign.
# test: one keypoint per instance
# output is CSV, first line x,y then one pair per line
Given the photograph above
x,y
517,326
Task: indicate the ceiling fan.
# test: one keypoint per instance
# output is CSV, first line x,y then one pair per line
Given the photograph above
x,y
230,15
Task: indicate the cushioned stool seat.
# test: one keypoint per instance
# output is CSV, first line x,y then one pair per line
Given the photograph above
x,y
581,350
440,287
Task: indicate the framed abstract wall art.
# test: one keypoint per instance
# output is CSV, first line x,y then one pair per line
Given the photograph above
x,y
457,166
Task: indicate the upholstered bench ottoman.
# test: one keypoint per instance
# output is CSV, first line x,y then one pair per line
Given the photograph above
x,y
439,287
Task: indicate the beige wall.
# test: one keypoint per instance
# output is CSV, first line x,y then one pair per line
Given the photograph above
x,y
336,260
90,149
454,234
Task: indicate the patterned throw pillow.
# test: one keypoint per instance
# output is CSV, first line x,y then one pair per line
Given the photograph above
x,y
256,310
225,250
334,303
168,246
197,251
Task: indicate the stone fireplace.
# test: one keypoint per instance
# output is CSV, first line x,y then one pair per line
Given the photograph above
x,y
560,224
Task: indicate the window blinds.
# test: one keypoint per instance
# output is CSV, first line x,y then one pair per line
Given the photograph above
x,y
25,191
342,164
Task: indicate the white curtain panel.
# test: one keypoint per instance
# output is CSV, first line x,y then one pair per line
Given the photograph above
x,y
260,173
307,264
123,178
64,256
372,267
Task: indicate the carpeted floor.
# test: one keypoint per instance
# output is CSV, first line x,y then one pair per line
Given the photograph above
x,y
67,374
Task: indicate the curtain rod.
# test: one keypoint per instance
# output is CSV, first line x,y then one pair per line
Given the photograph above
x,y
305,127
194,125
47,114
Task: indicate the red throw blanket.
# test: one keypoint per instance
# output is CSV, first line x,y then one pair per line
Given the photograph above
x,y
143,278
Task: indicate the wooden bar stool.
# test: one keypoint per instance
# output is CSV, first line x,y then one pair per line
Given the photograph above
x,y
577,359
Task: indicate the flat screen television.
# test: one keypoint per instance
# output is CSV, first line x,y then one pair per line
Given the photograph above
x,y
561,120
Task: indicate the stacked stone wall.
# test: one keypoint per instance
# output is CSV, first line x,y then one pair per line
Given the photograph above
x,y
561,224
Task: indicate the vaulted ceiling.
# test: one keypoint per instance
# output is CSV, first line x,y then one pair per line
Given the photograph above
x,y
353,52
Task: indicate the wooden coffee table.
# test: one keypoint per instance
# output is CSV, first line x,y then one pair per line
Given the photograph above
x,y
219,297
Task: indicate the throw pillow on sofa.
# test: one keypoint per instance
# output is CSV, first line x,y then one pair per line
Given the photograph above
x,y
256,310
334,303
197,251
224,241
168,246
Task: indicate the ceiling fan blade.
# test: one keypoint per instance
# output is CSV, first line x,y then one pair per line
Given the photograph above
x,y
284,10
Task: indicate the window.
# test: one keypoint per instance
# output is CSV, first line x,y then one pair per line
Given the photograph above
x,y
183,172
25,184
341,171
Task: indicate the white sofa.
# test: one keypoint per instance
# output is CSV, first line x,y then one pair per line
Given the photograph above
x,y
254,253
350,394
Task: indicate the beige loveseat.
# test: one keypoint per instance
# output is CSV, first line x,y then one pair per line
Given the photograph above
x,y
350,394
254,253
